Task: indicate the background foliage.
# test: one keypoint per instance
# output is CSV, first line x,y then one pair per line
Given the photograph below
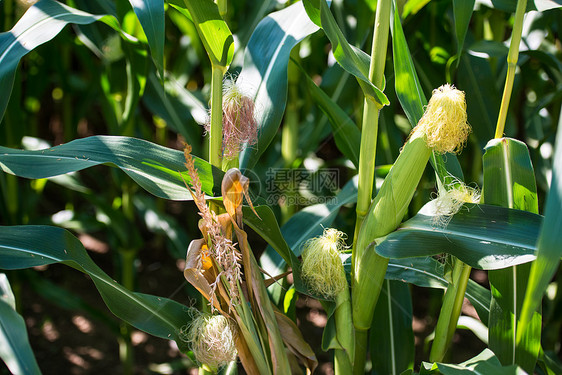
x,y
140,72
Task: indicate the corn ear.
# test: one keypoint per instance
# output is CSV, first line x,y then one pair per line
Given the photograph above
x,y
443,128
384,216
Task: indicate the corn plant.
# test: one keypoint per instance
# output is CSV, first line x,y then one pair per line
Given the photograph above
x,y
230,109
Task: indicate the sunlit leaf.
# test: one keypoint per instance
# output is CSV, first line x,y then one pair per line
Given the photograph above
x,y
151,16
482,236
549,249
509,181
34,245
351,58
41,23
155,168
484,363
213,31
264,73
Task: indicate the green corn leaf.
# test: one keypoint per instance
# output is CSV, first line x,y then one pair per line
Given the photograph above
x,y
429,273
484,363
541,5
264,73
408,87
509,236
549,249
413,7
509,181
509,177
482,96
391,340
346,134
151,16
462,9
41,23
34,245
155,168
266,227
352,59
176,105
213,31
411,96
15,349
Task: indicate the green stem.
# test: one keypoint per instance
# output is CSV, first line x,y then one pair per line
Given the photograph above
x,y
370,123
511,65
344,358
8,13
384,216
69,127
450,311
367,152
215,145
11,197
126,350
128,256
290,133
361,337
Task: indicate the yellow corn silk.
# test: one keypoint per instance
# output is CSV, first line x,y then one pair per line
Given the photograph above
x,y
450,200
445,122
322,268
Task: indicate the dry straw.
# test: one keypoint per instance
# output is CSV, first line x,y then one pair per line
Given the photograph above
x,y
322,269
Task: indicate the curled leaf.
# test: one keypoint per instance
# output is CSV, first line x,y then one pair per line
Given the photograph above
x,y
234,187
200,279
295,341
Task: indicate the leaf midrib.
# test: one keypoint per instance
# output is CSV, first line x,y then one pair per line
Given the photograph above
x,y
464,235
34,26
115,286
436,277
